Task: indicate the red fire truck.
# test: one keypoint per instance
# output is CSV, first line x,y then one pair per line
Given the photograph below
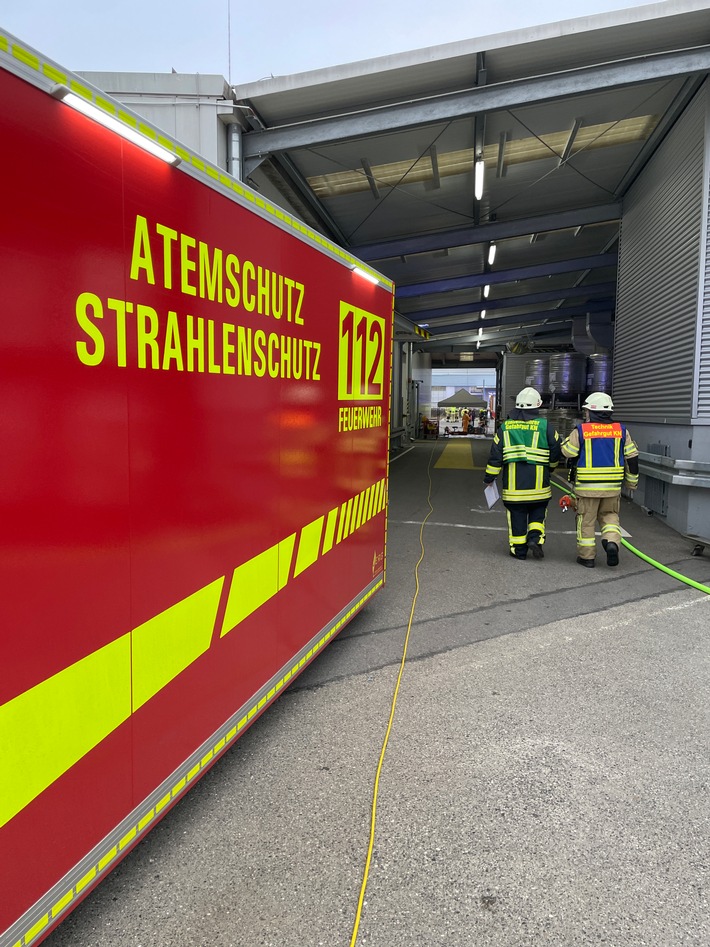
x,y
194,420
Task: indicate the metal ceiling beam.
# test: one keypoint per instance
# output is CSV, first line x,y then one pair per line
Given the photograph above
x,y
319,217
488,98
462,337
523,320
484,233
690,87
413,290
529,299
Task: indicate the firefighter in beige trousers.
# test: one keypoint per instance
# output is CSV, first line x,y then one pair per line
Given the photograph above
x,y
606,458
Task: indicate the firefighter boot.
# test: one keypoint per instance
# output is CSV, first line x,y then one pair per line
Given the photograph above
x,y
535,546
612,552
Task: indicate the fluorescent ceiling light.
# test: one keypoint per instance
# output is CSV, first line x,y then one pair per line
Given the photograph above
x,y
478,344
479,169
108,121
491,254
483,313
480,330
486,291
368,276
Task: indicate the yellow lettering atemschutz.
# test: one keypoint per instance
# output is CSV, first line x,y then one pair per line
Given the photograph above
x,y
141,257
187,265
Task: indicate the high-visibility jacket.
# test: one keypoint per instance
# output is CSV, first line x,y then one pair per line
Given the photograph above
x,y
602,451
524,451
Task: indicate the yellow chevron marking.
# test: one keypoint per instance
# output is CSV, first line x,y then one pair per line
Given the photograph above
x,y
330,531
308,545
51,726
168,643
256,581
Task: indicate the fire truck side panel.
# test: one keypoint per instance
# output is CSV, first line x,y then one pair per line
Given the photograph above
x,y
194,426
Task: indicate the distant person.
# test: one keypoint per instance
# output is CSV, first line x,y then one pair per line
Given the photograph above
x,y
465,421
525,449
605,458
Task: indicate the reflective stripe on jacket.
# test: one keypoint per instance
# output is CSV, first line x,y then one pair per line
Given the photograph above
x,y
601,456
521,450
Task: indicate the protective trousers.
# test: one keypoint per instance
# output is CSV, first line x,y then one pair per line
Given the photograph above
x,y
526,521
605,510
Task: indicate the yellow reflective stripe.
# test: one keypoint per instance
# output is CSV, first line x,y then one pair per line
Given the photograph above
x,y
47,729
383,495
85,93
308,545
50,727
348,515
370,509
256,581
330,531
54,74
526,496
341,523
361,510
39,926
83,882
169,642
354,514
600,473
25,56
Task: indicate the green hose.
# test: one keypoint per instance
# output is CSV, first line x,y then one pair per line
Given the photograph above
x,y
653,562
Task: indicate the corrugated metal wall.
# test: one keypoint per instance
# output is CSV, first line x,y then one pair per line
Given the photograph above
x,y
702,409
513,381
658,281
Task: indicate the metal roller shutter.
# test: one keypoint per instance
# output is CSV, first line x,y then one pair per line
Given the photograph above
x,y
703,372
658,280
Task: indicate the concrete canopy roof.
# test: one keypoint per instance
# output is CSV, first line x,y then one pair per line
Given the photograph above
x,y
380,156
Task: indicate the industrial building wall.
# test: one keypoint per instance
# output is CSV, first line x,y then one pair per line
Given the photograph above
x,y
421,372
702,374
659,278
662,334
186,106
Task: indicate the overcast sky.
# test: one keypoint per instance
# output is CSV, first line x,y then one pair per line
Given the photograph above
x,y
268,37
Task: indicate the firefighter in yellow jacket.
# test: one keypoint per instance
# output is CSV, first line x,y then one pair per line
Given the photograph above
x,y
525,449
605,458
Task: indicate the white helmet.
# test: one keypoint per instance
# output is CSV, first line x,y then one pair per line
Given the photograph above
x,y
598,401
528,398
